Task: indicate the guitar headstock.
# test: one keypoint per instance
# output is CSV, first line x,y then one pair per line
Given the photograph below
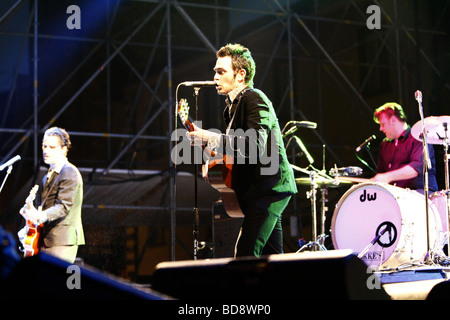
x,y
183,113
32,194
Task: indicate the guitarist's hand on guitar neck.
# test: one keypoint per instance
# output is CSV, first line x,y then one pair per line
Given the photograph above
x,y
29,212
34,215
199,136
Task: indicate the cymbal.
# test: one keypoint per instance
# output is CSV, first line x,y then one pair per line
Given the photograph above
x,y
435,129
324,182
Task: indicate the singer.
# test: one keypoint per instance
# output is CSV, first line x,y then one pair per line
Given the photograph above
x,y
263,195
400,160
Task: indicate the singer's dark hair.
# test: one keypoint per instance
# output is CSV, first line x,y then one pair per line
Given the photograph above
x,y
241,58
390,109
62,134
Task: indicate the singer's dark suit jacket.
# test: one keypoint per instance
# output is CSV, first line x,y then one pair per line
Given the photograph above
x,y
63,208
268,172
262,178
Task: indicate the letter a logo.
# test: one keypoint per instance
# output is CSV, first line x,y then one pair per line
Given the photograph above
x,y
373,22
74,21
74,280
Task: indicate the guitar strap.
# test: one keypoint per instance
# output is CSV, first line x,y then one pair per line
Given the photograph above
x,y
205,166
235,111
53,184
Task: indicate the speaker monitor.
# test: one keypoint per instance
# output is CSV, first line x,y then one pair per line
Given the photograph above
x,y
46,276
440,291
335,274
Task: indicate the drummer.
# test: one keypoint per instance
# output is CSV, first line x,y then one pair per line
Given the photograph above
x,y
400,160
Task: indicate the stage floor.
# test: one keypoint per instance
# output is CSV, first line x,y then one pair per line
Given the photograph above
x,y
414,283
414,290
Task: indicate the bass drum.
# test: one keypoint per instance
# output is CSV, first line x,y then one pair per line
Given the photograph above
x,y
392,218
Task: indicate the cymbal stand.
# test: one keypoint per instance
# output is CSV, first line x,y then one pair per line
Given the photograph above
x,y
445,143
313,245
446,173
324,200
446,140
324,209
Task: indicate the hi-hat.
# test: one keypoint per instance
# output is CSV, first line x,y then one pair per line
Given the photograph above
x,y
435,128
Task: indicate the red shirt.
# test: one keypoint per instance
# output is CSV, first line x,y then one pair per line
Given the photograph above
x,y
406,150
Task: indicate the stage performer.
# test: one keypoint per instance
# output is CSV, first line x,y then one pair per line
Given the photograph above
x,y
262,178
61,200
400,159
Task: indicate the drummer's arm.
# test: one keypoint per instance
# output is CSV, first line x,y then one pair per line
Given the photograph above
x,y
403,173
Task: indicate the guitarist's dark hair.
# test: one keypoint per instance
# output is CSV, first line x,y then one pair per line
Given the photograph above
x,y
61,133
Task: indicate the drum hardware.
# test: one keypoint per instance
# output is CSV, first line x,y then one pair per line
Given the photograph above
x,y
318,242
372,243
426,168
432,130
347,175
345,171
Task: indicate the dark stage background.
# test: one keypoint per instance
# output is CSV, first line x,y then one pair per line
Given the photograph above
x,y
112,84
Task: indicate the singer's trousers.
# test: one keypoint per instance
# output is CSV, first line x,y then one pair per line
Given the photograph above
x,y
262,232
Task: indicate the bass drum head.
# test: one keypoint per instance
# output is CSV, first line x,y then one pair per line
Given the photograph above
x,y
391,218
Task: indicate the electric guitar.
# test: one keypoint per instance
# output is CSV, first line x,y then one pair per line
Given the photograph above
x,y
221,181
31,230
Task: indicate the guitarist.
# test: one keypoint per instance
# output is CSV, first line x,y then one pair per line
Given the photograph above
x,y
59,215
260,173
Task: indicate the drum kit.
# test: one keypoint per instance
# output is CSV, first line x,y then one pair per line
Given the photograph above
x,y
387,226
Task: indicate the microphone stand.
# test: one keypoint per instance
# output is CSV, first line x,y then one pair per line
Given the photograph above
x,y
6,177
426,167
196,171
372,243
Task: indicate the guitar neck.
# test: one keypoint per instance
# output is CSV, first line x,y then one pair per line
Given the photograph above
x,y
188,125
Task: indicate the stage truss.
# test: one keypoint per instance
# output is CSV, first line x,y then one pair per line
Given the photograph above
x,y
316,60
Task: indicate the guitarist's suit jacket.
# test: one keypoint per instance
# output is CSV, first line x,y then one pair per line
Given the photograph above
x,y
268,172
63,208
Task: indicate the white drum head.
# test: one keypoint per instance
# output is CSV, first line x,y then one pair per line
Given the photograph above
x,y
391,218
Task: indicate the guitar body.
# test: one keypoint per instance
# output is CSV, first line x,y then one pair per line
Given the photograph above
x,y
31,241
220,179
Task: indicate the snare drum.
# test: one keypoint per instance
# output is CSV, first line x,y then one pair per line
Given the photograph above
x,y
394,219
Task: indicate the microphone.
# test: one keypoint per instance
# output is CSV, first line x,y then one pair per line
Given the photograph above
x,y
10,162
368,140
198,83
303,148
305,124
297,124
418,96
